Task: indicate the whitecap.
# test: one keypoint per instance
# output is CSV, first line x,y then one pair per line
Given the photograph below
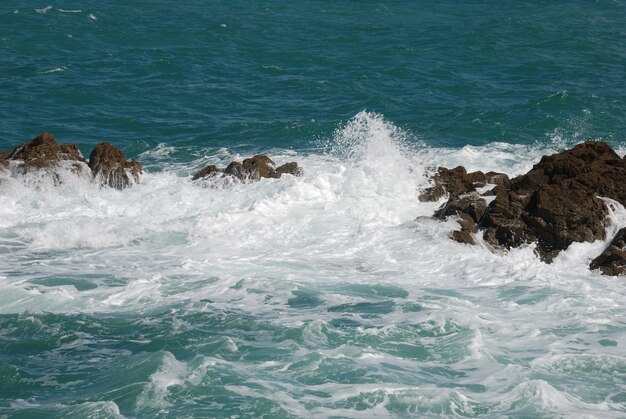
x,y
44,9
54,70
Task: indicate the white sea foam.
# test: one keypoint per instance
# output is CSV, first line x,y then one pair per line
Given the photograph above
x,y
345,252
54,70
44,9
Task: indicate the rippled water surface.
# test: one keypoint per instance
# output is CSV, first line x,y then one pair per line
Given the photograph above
x,y
333,294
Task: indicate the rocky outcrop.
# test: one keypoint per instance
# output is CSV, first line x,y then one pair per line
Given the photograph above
x,y
556,203
44,153
110,167
253,168
106,163
613,260
464,200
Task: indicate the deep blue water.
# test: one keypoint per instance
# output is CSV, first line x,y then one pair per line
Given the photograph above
x,y
329,295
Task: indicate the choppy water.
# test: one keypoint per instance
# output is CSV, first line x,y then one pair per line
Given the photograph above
x,y
328,295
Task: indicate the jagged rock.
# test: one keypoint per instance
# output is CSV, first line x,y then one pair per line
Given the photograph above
x,y
210,170
456,182
613,260
556,203
463,198
468,229
44,153
470,208
291,168
110,167
260,166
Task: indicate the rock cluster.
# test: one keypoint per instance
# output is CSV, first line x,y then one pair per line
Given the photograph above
x,y
108,166
253,168
556,203
44,153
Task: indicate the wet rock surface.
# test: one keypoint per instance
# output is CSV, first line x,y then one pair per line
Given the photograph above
x,y
612,261
464,200
44,153
208,171
556,203
253,168
4,162
110,167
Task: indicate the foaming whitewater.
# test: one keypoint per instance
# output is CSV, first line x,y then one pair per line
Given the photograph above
x,y
330,294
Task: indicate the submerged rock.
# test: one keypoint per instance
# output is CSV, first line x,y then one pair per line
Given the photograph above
x,y
44,153
553,205
613,260
253,168
110,167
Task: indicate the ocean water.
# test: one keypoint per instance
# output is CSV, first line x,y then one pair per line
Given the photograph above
x,y
333,294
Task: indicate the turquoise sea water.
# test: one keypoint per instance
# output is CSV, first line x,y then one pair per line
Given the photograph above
x,y
329,295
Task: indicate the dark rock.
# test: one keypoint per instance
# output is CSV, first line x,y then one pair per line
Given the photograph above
x,y
613,260
456,182
463,199
291,168
210,170
472,204
110,167
135,169
260,166
4,162
556,203
468,229
235,169
44,153
470,209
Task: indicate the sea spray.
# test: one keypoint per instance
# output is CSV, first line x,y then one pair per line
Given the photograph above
x,y
318,295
